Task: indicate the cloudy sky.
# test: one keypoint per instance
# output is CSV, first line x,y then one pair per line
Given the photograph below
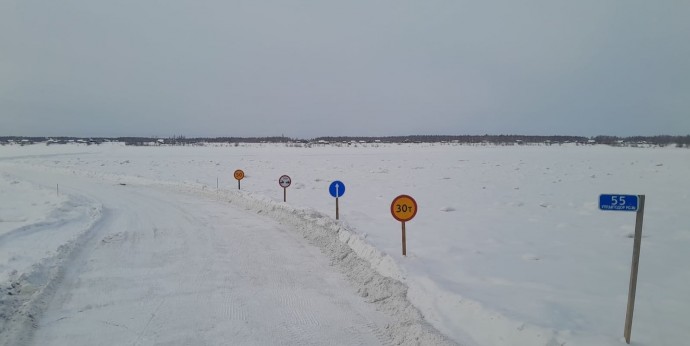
x,y
357,67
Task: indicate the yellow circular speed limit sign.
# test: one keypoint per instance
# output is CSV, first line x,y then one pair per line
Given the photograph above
x,y
239,174
404,208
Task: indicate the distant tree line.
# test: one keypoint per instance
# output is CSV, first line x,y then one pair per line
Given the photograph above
x,y
661,140
183,140
495,139
50,140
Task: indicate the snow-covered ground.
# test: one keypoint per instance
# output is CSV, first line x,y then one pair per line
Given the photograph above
x,y
508,246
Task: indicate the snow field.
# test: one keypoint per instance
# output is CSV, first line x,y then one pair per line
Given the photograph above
x,y
508,246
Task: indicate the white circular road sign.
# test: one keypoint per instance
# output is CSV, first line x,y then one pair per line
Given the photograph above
x,y
284,181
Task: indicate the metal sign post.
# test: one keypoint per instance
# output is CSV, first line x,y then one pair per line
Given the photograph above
x,y
633,269
404,208
337,189
404,241
239,175
628,203
284,181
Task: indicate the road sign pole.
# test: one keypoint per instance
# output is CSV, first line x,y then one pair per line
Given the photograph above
x,y
404,243
633,270
239,175
404,208
284,181
337,189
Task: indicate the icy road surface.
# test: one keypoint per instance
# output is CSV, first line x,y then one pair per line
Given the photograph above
x,y
163,267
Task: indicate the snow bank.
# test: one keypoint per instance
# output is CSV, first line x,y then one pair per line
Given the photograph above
x,y
379,279
39,230
374,274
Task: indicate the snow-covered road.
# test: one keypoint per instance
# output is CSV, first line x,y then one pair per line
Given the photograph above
x,y
174,268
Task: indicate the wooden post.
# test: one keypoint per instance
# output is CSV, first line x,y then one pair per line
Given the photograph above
x,y
336,209
633,270
404,243
284,194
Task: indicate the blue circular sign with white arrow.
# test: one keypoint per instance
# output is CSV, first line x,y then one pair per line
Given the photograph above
x,y
337,189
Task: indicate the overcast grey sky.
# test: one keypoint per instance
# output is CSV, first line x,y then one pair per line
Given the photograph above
x,y
355,67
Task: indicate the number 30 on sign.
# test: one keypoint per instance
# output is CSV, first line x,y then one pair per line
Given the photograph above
x,y
404,208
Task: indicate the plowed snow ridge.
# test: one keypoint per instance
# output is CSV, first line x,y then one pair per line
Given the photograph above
x,y
27,293
375,274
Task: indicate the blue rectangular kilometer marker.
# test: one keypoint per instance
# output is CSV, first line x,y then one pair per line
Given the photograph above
x,y
618,202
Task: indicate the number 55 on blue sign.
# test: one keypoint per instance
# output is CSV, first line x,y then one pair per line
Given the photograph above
x,y
618,202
